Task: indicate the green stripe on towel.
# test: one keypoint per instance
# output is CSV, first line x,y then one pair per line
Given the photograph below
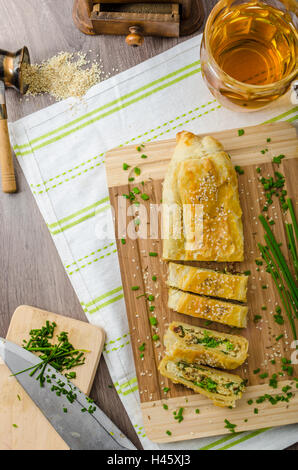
x,y
221,441
243,439
292,119
79,212
108,105
103,296
91,262
280,116
102,116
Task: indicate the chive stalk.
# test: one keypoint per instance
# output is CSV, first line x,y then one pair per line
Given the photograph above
x,y
280,260
293,217
273,270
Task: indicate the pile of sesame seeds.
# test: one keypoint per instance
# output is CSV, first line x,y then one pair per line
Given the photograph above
x,y
62,76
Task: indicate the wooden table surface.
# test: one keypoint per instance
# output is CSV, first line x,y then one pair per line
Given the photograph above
x,y
32,272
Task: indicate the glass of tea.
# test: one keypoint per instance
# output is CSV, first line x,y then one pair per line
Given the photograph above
x,y
249,52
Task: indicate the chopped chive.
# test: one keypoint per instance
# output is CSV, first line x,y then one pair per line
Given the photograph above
x,y
155,337
153,321
153,254
240,132
178,415
168,433
125,166
257,318
165,407
231,427
71,375
154,278
279,319
239,170
279,337
278,159
135,288
273,381
145,197
137,171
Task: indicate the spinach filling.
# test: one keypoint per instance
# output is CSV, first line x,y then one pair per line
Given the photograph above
x,y
207,384
207,340
197,375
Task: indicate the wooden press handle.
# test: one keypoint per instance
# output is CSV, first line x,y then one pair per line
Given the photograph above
x,y
135,37
6,162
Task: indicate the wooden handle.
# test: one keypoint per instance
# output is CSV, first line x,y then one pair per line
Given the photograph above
x,y
135,37
6,162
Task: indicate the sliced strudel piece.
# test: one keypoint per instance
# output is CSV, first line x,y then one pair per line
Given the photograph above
x,y
222,388
207,308
208,282
202,346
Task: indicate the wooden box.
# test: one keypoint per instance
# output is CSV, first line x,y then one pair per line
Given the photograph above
x,y
163,18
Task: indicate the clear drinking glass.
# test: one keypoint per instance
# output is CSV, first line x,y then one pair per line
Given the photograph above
x,y
249,52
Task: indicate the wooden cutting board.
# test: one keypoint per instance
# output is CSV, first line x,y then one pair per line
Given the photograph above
x,y
33,431
137,269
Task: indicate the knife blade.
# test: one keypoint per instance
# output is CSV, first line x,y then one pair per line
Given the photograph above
x,y
80,430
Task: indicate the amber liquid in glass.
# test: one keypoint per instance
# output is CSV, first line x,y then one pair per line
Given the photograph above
x,y
254,43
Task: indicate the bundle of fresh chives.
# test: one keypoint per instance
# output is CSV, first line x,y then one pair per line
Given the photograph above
x,y
278,268
290,230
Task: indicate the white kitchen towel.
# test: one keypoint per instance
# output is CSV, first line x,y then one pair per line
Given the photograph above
x,y
61,150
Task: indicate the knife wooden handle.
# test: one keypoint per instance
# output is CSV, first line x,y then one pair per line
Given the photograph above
x,y
6,161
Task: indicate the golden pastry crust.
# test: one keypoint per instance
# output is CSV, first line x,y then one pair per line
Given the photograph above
x,y
222,388
199,345
207,308
208,282
201,173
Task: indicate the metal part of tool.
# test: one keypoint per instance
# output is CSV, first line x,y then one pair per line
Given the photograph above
x,y
10,77
11,68
80,430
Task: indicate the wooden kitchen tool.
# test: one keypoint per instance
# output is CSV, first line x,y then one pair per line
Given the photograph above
x,y
137,269
10,77
168,18
33,431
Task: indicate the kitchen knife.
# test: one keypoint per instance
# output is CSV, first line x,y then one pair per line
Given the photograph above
x,y
80,430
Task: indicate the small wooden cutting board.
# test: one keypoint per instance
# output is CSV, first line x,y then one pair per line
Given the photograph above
x,y
33,431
